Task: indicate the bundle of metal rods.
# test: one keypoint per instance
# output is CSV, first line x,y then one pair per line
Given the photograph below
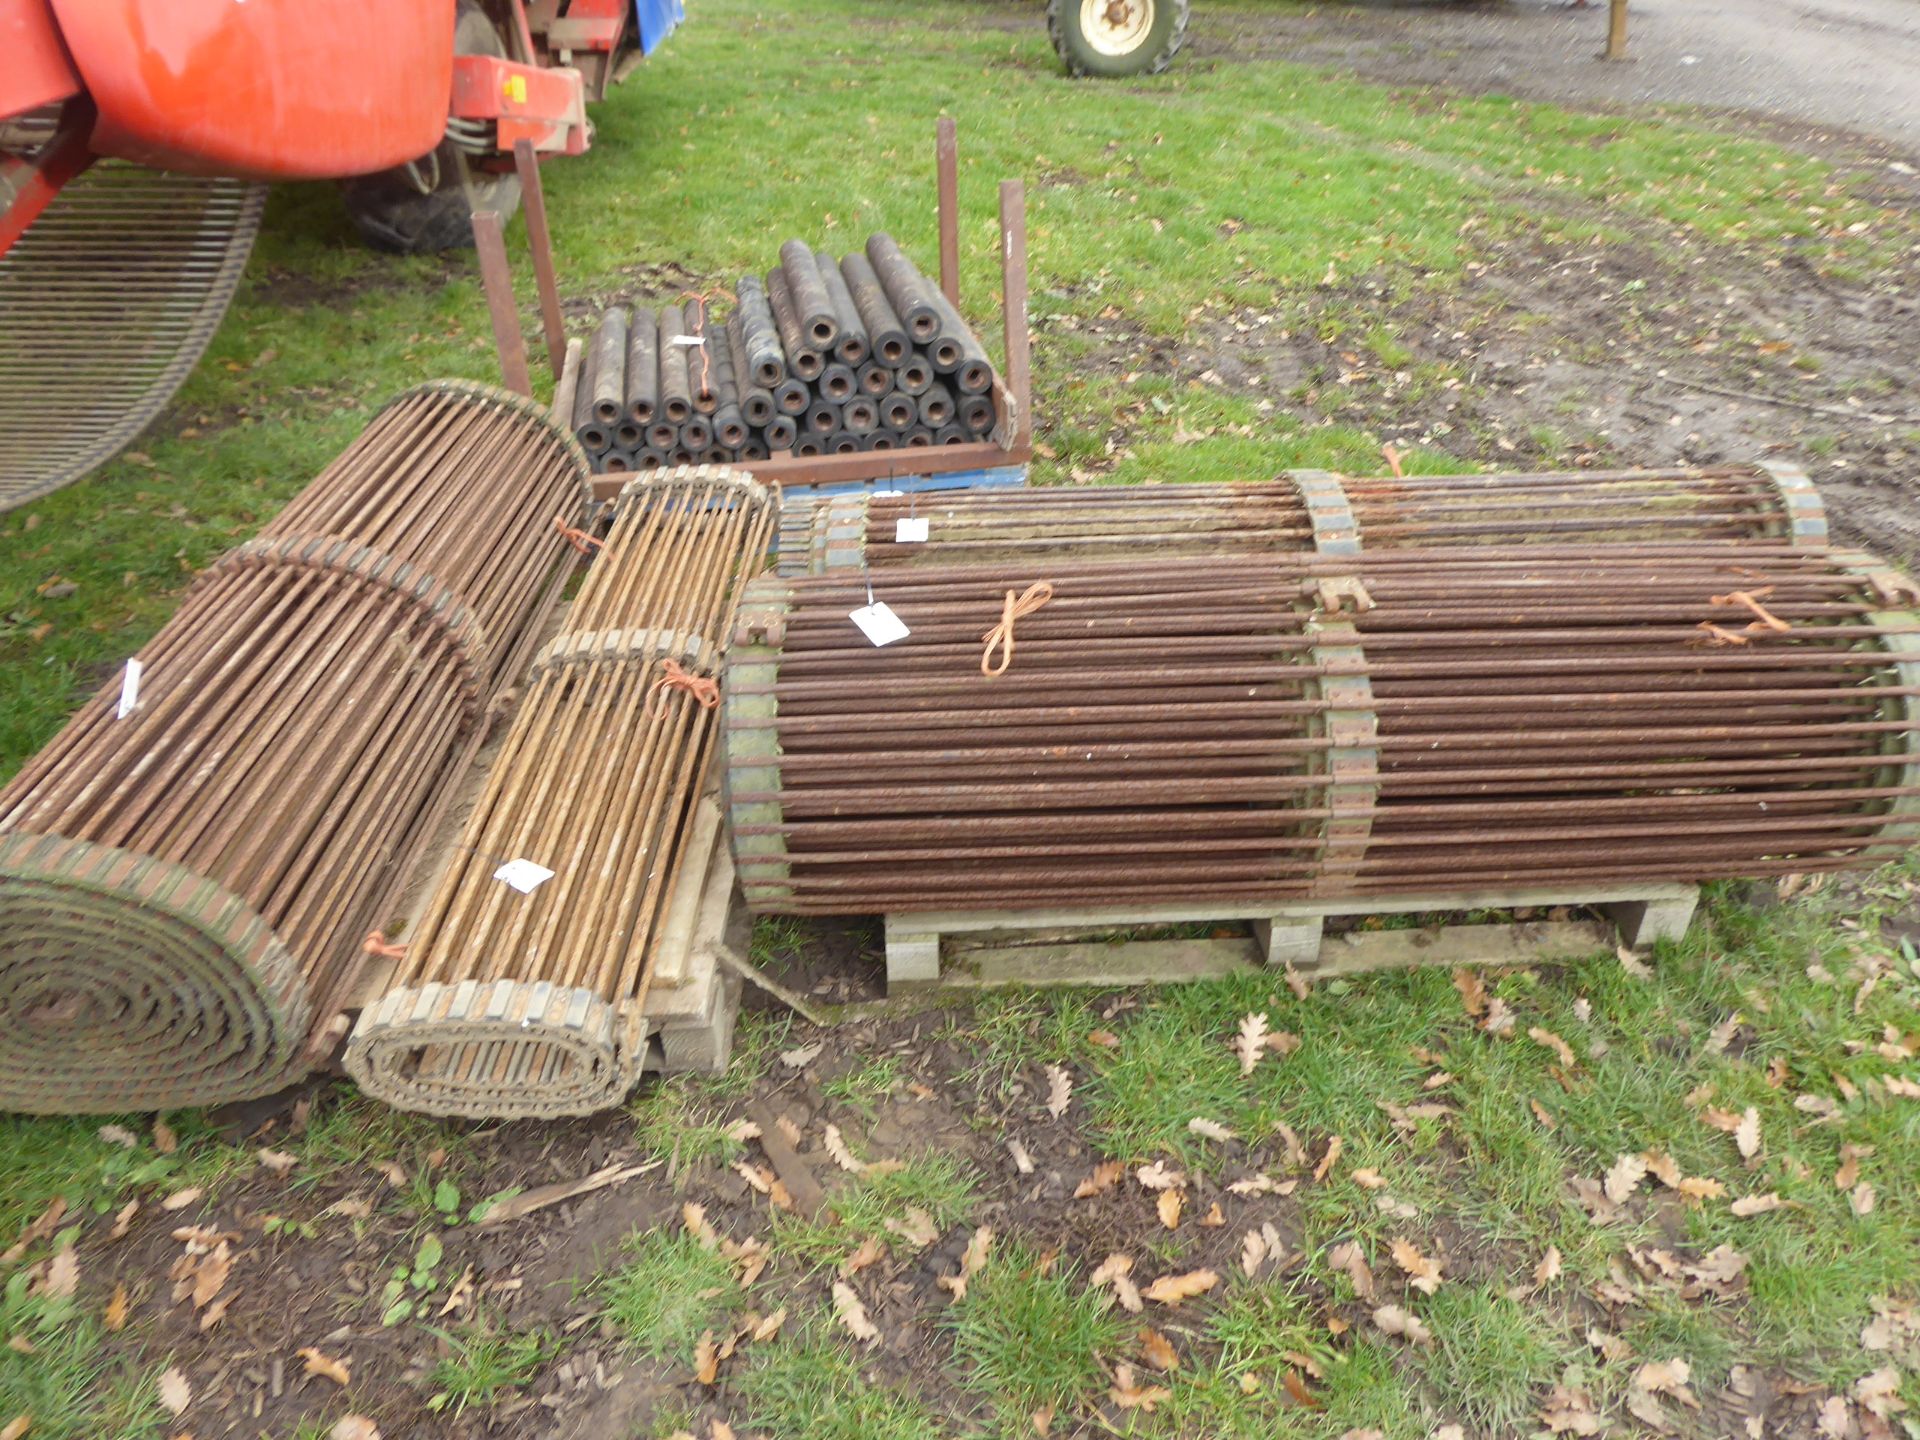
x,y
1771,503
1325,724
817,357
189,869
523,995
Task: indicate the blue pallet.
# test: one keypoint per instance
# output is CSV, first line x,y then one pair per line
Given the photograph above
x,y
797,501
1000,477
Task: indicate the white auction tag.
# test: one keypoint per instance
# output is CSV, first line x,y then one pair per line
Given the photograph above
x,y
878,623
885,494
129,691
523,875
910,532
688,340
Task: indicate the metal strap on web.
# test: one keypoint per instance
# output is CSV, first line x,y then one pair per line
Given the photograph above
x,y
1349,723
637,644
838,539
1900,642
1806,512
750,738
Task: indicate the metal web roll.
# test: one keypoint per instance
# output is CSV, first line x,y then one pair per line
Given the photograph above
x,y
1328,725
513,1003
1772,504
184,890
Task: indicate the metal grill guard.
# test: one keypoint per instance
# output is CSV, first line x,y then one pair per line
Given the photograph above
x,y
184,892
512,1004
1342,722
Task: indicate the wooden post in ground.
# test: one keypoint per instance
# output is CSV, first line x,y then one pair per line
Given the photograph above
x,y
1616,30
496,278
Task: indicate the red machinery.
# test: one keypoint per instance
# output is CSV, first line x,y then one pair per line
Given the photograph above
x,y
112,279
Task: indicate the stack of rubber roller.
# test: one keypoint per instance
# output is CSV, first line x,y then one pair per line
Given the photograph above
x,y
818,357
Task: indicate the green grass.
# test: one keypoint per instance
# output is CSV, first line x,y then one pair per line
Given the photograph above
x,y
484,1362
939,1185
814,1385
1489,1354
667,1294
1030,1335
66,1158
70,1384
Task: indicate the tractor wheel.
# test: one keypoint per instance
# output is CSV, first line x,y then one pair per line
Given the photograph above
x,y
428,205
1117,37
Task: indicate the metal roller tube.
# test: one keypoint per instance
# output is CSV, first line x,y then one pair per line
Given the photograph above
x,y
765,362
676,394
971,370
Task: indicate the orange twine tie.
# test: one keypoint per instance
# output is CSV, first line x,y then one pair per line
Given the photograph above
x,y
1000,637
1766,619
377,943
1392,457
580,540
703,688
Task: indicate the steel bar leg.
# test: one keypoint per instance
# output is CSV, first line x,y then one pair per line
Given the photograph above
x,y
540,242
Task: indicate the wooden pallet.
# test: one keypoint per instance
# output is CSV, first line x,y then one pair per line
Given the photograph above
x,y
694,1000
983,948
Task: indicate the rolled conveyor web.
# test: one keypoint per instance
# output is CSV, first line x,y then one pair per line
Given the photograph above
x,y
109,300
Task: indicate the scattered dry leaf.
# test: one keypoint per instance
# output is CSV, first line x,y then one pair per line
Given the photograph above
x,y
1105,1176
1835,1422
1625,1177
1262,1184
706,1359
971,1260
180,1199
354,1427
115,1315
1296,1153
1160,1176
1569,1411
1347,1257
276,1162
175,1393
1367,1179
1169,1205
1171,1290
164,1140
1209,1129
1393,1320
1540,1035
325,1366
1130,1395
1747,1135
1879,1393
1422,1273
1328,1160
1861,1198
1252,1041
63,1274
768,1328
836,1147
917,1229
1473,992
1755,1204
1059,1091
1157,1350
16,1427
871,1249
694,1217
1213,1219
1548,1270
853,1314
118,1135
801,1057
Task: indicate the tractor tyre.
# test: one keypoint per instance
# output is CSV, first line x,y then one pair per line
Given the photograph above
x,y
1109,38
428,205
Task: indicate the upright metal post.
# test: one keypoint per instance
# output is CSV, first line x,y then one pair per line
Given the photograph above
x,y
946,150
540,242
1013,279
1616,30
490,243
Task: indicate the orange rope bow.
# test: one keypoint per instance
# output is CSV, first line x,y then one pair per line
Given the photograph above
x,y
1766,620
1000,637
703,688
377,943
580,540
1392,457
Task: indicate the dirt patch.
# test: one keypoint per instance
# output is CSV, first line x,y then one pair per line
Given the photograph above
x,y
1645,353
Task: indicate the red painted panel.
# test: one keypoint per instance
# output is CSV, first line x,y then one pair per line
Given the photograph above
x,y
36,71
271,89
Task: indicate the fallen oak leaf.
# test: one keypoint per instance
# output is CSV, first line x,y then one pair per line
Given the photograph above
x,y
768,1328
114,1317
694,1218
971,1261
1158,1176
1624,1178
16,1427
917,1228
706,1359
853,1315
1168,1206
836,1147
871,1249
1172,1290
1130,1396
164,1140
175,1393
1540,1035
1328,1160
1115,1271
1213,1219
1209,1129
1401,1324
354,1427
62,1274
1422,1273
1748,1205
1251,1043
1262,1184
180,1199
1104,1176
1059,1091
1157,1350
325,1366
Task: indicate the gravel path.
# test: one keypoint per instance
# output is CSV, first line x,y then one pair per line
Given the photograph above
x,y
1837,64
